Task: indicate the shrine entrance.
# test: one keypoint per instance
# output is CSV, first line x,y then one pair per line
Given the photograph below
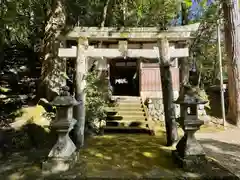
x,y
124,76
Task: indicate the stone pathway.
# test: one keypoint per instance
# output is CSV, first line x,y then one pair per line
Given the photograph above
x,y
224,147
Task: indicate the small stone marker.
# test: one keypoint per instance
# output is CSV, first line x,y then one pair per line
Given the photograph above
x,y
62,156
188,150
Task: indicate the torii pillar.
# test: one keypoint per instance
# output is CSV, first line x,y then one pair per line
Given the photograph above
x,y
80,84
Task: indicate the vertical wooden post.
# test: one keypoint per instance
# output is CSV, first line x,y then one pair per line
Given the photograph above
x,y
79,110
167,90
220,71
140,78
123,48
184,75
63,44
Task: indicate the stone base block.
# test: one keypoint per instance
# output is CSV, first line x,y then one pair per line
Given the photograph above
x,y
56,165
190,161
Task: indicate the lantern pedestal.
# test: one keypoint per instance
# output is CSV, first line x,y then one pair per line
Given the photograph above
x,y
63,154
56,165
189,153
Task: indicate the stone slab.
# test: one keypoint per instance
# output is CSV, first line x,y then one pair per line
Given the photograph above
x,y
188,162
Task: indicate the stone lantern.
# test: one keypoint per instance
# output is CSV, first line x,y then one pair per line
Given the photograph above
x,y
62,155
188,150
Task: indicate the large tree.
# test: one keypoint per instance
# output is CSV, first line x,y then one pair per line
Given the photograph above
x,y
53,67
232,42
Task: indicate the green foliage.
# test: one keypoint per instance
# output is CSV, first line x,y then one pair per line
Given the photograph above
x,y
204,47
96,97
24,21
122,12
21,20
188,3
151,13
203,95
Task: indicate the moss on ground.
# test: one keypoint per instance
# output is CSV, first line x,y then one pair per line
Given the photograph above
x,y
111,155
132,154
118,155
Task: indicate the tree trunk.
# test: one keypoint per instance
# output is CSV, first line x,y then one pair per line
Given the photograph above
x,y
105,13
2,36
184,65
124,12
53,67
232,41
104,17
1,50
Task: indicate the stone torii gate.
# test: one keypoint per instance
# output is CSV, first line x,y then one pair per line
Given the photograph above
x,y
166,47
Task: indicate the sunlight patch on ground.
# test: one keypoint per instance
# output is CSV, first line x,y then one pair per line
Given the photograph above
x,y
33,115
149,154
131,154
4,89
212,159
219,150
211,128
160,130
16,176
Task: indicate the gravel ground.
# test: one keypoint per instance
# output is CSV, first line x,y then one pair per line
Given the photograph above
x,y
224,147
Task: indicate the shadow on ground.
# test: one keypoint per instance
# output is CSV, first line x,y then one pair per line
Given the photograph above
x,y
114,156
110,156
23,150
227,153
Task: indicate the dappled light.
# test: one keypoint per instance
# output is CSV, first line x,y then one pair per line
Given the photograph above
x,y
135,154
143,78
110,155
34,115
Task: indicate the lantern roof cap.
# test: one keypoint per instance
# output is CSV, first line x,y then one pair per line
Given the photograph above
x,y
64,98
191,96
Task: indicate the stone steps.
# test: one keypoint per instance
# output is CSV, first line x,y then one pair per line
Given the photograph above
x,y
125,109
127,116
126,130
126,113
126,123
129,105
127,98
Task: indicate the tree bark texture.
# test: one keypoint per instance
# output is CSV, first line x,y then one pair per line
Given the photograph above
x,y
53,67
184,64
167,90
2,35
104,16
80,83
1,50
232,43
